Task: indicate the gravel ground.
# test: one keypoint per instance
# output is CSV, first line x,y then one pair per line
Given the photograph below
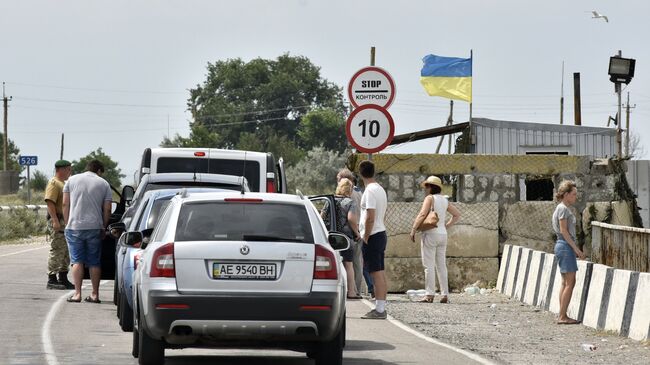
x,y
514,333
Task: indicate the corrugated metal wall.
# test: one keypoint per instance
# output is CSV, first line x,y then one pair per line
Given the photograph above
x,y
638,176
494,137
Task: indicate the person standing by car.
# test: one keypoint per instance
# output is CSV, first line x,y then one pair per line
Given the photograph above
x,y
86,209
434,241
373,232
566,249
59,260
357,256
350,229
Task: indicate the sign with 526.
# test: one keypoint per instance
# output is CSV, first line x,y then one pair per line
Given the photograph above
x,y
28,160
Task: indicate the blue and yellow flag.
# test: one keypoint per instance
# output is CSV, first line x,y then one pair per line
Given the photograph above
x,y
448,77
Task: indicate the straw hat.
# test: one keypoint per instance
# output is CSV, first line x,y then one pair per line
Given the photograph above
x,y
432,180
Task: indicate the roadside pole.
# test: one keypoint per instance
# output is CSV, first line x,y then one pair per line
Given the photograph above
x,y
372,63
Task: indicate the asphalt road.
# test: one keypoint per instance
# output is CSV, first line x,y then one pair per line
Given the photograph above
x,y
39,327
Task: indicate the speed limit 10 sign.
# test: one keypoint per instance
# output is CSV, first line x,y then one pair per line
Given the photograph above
x,y
370,128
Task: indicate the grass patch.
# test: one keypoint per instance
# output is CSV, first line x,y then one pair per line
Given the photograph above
x,y
20,198
21,223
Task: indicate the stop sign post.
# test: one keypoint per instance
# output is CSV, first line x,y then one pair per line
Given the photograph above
x,y
370,128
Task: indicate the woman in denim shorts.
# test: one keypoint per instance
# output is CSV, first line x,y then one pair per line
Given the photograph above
x,y
566,250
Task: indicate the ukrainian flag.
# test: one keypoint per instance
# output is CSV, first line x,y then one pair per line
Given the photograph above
x,y
448,77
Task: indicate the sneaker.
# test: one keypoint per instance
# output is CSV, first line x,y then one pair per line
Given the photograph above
x,y
373,314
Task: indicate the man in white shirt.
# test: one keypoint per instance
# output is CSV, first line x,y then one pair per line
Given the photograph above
x,y
373,232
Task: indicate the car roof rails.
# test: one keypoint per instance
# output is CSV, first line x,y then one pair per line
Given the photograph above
x,y
299,193
183,193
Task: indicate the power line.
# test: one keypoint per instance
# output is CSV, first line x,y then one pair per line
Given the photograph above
x,y
97,89
102,104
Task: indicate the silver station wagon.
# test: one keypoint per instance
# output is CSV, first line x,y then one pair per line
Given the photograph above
x,y
241,270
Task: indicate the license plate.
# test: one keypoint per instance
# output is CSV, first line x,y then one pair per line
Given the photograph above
x,y
240,271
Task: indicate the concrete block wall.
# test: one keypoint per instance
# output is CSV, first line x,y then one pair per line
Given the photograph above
x,y
603,298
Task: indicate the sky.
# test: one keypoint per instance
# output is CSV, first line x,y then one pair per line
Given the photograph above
x,y
115,74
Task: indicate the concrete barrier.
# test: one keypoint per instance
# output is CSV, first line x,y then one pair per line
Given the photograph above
x,y
640,321
522,274
598,298
534,278
603,298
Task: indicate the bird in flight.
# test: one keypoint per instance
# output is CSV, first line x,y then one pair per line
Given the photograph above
x,y
596,15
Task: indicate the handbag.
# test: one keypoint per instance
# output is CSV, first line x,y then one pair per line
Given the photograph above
x,y
431,220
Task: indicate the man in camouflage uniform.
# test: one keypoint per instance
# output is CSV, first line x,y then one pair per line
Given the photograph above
x,y
59,260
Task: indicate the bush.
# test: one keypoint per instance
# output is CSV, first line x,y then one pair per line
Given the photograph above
x,y
38,182
36,197
316,173
21,223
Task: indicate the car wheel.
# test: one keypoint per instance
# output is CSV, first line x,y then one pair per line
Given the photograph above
x,y
135,344
150,350
126,314
331,352
115,292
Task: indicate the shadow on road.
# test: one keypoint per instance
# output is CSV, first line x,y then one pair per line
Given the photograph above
x,y
360,345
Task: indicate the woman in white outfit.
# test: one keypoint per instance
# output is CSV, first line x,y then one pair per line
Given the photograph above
x,y
434,241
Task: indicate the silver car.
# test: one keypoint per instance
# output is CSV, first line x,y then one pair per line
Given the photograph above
x,y
253,270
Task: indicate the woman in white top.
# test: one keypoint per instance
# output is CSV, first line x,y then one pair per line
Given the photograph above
x,y
434,241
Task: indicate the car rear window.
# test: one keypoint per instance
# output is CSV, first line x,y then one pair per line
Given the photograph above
x,y
212,166
234,221
187,184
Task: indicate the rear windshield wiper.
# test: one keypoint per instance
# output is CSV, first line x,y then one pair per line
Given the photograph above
x,y
253,237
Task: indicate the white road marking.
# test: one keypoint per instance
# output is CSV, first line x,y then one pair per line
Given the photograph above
x,y
17,252
406,328
48,348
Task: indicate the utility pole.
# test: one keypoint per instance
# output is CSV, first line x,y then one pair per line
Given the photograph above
x,y
619,133
562,97
576,99
372,63
627,125
62,137
450,121
5,143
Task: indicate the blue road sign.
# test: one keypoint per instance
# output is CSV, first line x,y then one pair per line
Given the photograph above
x,y
28,160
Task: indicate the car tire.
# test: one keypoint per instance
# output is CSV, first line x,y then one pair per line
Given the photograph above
x,y
331,352
150,350
126,314
135,343
115,292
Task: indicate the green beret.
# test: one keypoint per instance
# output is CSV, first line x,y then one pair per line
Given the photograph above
x,y
62,163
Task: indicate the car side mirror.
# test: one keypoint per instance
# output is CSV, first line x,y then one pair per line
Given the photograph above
x,y
116,229
127,193
133,239
338,241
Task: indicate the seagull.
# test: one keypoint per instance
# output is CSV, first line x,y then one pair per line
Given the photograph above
x,y
596,15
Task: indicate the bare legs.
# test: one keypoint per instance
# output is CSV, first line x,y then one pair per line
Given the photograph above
x,y
78,276
566,290
349,269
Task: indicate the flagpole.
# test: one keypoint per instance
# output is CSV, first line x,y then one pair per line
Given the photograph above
x,y
471,62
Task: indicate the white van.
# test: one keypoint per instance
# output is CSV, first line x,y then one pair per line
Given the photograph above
x,y
260,168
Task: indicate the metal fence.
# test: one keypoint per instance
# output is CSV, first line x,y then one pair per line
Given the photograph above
x,y
621,247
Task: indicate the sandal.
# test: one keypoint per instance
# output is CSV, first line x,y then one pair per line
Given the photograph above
x,y
70,300
354,297
427,299
444,299
89,299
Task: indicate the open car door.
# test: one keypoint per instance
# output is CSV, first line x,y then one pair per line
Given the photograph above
x,y
325,204
108,244
282,177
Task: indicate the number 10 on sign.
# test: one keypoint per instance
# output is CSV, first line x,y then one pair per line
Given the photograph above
x,y
370,128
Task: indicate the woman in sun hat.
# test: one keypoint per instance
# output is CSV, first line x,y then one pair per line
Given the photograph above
x,y
434,241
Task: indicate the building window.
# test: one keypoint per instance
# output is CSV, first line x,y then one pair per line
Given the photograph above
x,y
539,189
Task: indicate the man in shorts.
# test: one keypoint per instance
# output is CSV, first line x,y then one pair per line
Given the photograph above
x,y
86,209
373,232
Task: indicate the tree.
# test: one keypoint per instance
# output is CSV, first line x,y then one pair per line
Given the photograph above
x,y
316,173
248,104
12,155
637,150
323,127
112,174
38,181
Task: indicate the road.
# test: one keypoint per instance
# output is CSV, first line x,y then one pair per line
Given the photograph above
x,y
39,327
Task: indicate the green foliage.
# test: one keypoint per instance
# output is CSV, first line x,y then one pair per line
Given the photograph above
x,y
112,174
21,223
36,197
323,127
316,173
13,152
38,181
260,105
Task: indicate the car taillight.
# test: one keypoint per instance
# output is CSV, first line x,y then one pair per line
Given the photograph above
x,y
270,186
136,258
199,154
162,264
325,266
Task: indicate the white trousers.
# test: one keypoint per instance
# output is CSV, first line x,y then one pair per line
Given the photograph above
x,y
434,252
